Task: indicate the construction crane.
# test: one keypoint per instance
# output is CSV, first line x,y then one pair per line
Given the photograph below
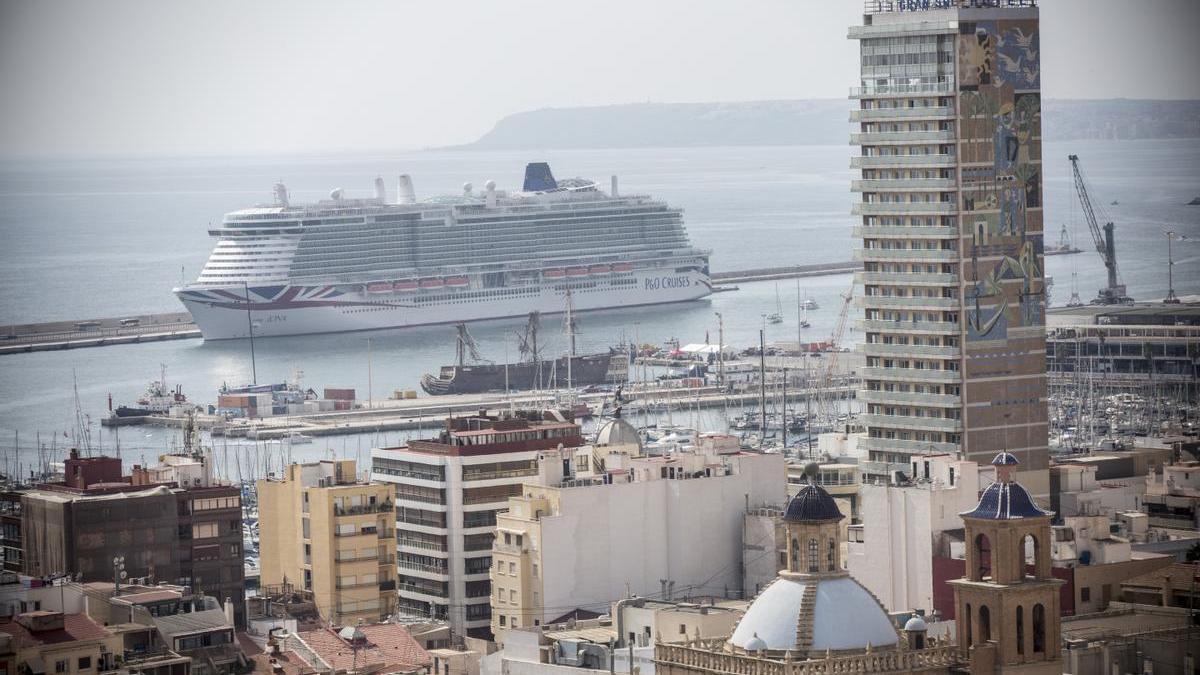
x,y
825,377
1106,246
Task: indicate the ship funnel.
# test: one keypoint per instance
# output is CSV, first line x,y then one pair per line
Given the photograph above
x,y
281,195
490,200
380,191
467,187
406,194
613,191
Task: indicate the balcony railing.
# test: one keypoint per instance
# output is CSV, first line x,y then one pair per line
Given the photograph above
x,y
908,398
887,161
915,112
903,232
889,208
880,349
422,544
900,89
920,327
361,557
421,567
363,509
898,137
911,374
898,184
492,475
906,279
911,422
905,255
907,446
909,302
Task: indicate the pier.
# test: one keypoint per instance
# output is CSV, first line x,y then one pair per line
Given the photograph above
x,y
136,328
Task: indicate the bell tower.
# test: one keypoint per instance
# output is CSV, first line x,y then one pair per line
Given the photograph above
x,y
1007,605
813,537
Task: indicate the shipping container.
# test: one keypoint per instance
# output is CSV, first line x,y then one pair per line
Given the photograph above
x,y
338,394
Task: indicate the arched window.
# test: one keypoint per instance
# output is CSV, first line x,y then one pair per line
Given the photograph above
x,y
985,624
983,557
1027,554
967,618
831,555
794,560
1020,629
814,564
1039,628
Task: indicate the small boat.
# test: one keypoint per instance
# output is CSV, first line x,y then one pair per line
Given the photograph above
x,y
774,318
405,286
1115,203
554,274
379,287
457,282
627,267
577,271
432,283
599,269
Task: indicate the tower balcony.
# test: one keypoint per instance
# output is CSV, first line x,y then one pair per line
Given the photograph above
x,y
911,375
908,113
908,398
910,327
905,255
909,302
903,161
905,208
900,137
903,185
913,423
903,232
888,278
880,349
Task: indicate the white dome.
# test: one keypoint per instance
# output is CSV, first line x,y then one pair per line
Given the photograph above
x,y
915,623
755,644
844,616
618,432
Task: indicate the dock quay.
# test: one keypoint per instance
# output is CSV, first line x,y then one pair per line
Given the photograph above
x,y
135,328
788,272
430,413
130,329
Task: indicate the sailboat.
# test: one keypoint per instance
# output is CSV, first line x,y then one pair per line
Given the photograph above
x,y
777,317
801,307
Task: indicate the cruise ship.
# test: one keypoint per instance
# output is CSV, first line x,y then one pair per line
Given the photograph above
x,y
347,264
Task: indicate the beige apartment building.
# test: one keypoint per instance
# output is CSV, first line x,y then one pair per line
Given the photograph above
x,y
332,537
952,234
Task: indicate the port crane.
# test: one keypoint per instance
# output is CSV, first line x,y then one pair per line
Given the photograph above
x,y
1106,246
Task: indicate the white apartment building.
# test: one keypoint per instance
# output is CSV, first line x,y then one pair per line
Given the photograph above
x,y
892,551
659,527
448,493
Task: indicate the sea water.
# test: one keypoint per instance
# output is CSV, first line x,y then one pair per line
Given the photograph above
x,y
86,238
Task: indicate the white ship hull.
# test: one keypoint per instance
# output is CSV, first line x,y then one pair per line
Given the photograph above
x,y
221,313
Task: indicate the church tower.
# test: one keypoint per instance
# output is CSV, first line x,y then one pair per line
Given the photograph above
x,y
1008,614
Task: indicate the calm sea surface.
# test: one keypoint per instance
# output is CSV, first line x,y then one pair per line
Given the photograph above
x,y
95,238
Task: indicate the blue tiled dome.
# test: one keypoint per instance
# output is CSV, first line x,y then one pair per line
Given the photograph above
x,y
1005,501
812,503
1005,458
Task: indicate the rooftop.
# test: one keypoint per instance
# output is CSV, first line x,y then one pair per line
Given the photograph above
x,y
75,627
388,648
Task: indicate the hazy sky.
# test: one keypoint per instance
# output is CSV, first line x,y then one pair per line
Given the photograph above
x,y
229,76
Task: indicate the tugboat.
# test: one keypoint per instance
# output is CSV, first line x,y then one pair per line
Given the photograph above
x,y
158,399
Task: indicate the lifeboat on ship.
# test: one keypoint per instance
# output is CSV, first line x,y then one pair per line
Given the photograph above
x,y
599,269
379,287
622,267
577,272
405,285
457,282
432,284
554,274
